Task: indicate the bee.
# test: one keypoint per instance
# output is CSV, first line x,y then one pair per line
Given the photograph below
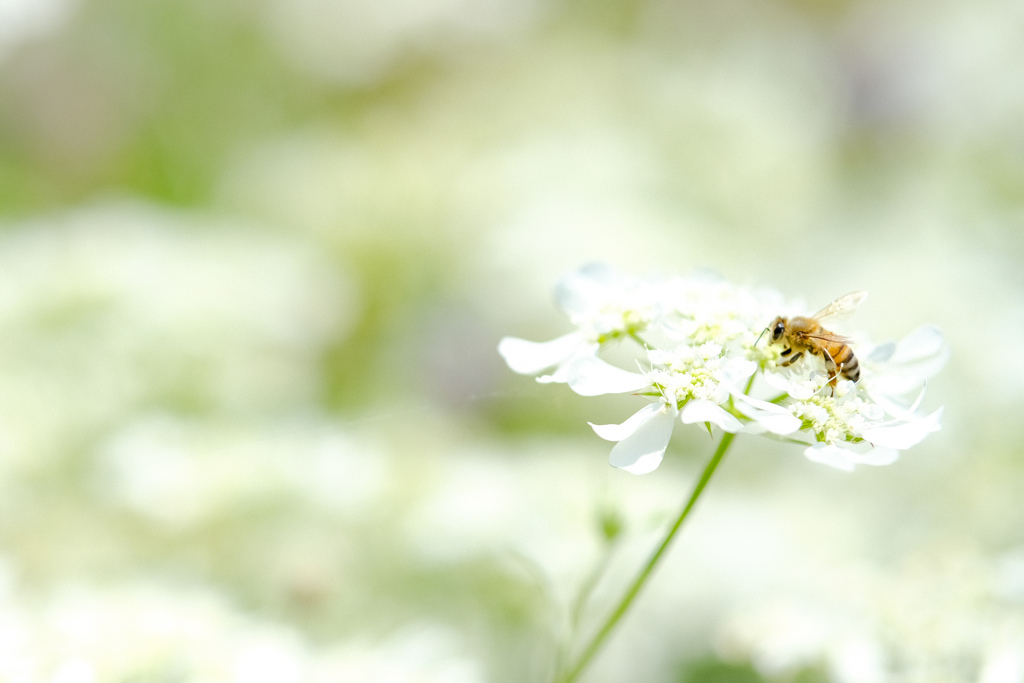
x,y
807,335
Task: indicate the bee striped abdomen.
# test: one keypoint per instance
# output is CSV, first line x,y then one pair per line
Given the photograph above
x,y
842,356
802,335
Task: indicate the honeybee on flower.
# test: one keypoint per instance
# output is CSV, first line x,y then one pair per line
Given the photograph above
x,y
697,360
809,335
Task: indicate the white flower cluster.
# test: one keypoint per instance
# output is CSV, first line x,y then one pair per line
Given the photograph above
x,y
702,358
146,631
144,309
947,614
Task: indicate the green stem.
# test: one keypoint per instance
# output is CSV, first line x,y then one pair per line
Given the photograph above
x,y
627,599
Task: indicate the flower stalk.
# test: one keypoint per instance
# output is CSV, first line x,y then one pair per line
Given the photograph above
x,y
627,599
700,361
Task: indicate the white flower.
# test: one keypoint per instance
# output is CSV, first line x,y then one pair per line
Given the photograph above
x,y
765,416
707,308
868,422
642,439
603,305
846,426
937,616
688,382
530,358
701,341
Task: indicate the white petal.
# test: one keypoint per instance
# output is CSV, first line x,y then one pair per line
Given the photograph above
x,y
782,423
875,456
897,407
753,428
738,370
529,358
591,376
924,342
775,419
561,373
833,456
706,411
889,382
881,353
799,388
904,435
777,381
586,289
641,452
918,356
621,431
559,376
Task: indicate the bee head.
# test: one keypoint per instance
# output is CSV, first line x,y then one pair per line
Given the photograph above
x,y
777,328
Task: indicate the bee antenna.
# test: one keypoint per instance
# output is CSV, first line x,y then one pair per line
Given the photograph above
x,y
760,335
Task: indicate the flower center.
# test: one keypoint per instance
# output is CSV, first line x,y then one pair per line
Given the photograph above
x,y
835,419
613,320
690,372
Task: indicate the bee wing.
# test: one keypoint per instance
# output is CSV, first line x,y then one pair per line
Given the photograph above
x,y
828,337
842,308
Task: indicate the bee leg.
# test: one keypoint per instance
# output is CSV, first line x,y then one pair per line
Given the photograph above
x,y
834,371
792,359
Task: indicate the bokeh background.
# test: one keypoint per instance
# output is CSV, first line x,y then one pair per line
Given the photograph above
x,y
255,258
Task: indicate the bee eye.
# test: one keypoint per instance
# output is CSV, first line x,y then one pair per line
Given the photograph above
x,y
777,332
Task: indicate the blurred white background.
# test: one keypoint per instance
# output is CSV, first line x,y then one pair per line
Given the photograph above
x,y
255,258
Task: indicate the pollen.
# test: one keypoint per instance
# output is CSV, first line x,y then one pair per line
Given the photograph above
x,y
835,419
689,372
615,319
